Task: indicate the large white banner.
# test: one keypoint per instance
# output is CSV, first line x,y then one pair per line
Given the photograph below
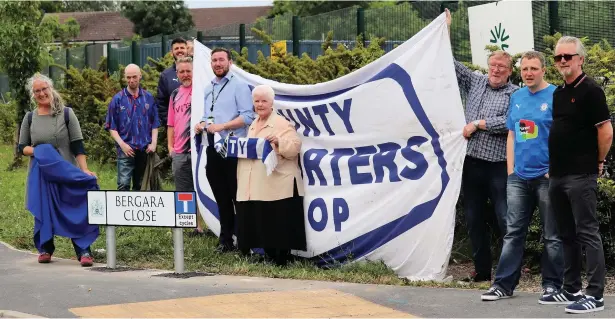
x,y
382,156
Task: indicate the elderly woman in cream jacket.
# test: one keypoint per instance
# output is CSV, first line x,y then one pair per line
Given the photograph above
x,y
270,208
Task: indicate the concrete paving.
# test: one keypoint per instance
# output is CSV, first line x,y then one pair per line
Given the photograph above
x,y
64,289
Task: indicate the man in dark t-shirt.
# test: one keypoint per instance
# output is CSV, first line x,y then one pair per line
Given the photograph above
x,y
579,140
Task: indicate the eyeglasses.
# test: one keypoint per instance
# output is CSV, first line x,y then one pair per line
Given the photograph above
x,y
497,67
41,90
567,57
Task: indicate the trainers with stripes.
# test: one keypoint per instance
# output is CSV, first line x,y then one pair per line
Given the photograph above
x,y
547,290
495,293
585,305
561,297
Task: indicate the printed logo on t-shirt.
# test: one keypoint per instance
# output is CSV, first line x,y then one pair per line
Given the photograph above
x,y
544,107
526,130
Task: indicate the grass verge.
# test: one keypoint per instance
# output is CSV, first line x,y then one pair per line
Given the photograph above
x,y
153,247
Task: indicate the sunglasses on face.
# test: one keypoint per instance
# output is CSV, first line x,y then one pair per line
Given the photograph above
x,y
567,57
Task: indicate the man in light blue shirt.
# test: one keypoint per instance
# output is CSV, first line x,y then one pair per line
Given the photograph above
x,y
529,121
228,108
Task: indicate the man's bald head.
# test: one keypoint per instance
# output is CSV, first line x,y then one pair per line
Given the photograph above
x,y
133,68
132,74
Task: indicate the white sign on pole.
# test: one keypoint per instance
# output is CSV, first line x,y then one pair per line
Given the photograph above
x,y
145,209
507,24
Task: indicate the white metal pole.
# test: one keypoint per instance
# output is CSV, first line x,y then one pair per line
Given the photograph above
x,y
110,246
178,249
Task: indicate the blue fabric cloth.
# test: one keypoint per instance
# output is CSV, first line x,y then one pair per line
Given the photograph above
x,y
57,197
235,100
133,118
247,147
530,118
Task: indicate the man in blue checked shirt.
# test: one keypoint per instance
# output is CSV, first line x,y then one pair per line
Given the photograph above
x,y
484,170
228,108
132,120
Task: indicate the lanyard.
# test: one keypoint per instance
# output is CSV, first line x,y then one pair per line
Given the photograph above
x,y
213,98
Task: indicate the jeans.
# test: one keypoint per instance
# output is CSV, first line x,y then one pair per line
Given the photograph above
x,y
483,180
131,168
523,196
574,200
222,176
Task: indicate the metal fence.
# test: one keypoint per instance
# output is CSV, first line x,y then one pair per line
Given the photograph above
x,y
592,19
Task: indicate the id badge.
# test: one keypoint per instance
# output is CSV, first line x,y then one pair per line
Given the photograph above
x,y
210,120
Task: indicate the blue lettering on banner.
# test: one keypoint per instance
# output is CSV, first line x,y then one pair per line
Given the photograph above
x,y
318,225
341,213
232,147
311,163
415,157
306,119
242,147
344,113
382,156
386,158
303,118
358,160
335,167
321,110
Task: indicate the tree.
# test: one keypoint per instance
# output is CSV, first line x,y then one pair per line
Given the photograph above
x,y
78,6
62,32
21,49
157,17
308,8
23,34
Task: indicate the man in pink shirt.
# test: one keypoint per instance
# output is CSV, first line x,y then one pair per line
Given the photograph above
x,y
178,131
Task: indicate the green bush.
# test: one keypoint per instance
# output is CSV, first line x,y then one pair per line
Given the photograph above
x,y
7,122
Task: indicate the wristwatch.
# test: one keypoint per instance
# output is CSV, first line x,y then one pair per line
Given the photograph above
x,y
476,123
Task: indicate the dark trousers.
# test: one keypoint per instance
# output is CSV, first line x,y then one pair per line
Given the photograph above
x,y
131,168
222,176
523,196
483,180
49,247
280,257
574,200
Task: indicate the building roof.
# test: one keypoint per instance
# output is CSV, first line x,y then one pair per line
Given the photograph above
x,y
112,26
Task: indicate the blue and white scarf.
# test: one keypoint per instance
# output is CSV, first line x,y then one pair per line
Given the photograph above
x,y
247,147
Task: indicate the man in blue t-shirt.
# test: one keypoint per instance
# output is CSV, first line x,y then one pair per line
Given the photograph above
x,y
132,120
529,122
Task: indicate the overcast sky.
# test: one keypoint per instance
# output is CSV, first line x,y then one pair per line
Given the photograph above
x,y
227,3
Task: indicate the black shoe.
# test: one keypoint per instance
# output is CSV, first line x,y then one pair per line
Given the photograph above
x,y
549,290
224,248
561,297
196,233
474,278
495,293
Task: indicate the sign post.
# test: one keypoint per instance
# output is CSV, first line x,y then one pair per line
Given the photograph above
x,y
110,233
176,210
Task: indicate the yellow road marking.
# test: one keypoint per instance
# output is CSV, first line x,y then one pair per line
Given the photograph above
x,y
297,304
